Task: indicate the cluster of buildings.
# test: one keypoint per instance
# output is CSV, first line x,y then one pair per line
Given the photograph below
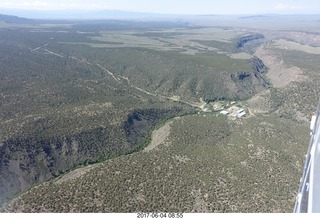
x,y
225,108
234,111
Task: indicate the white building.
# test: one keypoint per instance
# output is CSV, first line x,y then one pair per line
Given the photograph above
x,y
239,115
224,112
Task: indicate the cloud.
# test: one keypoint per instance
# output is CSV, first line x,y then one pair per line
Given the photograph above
x,y
284,7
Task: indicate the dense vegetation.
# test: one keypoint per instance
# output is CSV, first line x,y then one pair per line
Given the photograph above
x,y
208,164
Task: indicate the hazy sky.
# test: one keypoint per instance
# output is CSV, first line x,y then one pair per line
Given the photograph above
x,y
174,6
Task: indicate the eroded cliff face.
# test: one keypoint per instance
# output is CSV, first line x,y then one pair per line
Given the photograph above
x,y
258,65
246,84
28,161
245,40
250,83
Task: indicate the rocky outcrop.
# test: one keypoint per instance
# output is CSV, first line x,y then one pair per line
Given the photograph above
x,y
245,39
240,76
258,65
250,83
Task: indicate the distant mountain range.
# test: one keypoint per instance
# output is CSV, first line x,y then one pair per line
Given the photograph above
x,y
25,16
15,19
83,14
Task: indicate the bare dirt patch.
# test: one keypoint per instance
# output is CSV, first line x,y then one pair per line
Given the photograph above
x,y
159,136
175,98
74,174
200,204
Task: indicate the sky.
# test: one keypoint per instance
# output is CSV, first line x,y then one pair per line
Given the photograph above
x,y
174,6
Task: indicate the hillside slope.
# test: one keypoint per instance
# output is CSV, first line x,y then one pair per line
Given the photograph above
x,y
207,164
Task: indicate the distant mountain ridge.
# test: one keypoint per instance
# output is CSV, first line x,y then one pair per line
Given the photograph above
x,y
83,14
15,19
